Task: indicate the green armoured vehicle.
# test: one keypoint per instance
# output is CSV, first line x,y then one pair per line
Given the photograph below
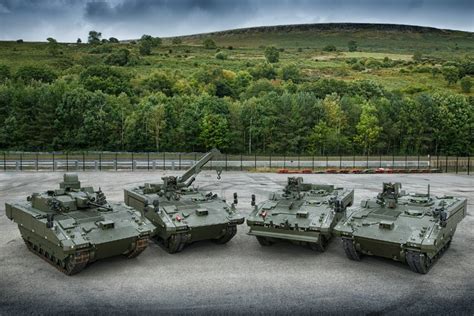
x,y
302,213
183,214
412,228
73,226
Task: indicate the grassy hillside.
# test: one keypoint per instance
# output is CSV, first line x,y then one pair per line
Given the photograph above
x,y
385,38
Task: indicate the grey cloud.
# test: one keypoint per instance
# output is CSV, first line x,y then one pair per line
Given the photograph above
x,y
68,19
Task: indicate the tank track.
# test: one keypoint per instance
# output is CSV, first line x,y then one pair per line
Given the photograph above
x,y
420,263
321,245
349,248
73,264
174,244
230,232
140,245
264,241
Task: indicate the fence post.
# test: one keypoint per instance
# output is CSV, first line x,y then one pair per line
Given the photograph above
x,y
21,162
37,162
270,160
340,161
437,160
226,162
468,164
83,162
446,166
241,167
116,161
406,161
100,161
133,161
312,164
367,160
179,161
418,163
298,161
164,160
327,161
54,163
255,162
353,161
457,160
429,162
393,160
148,160
4,161
284,161
67,161
380,160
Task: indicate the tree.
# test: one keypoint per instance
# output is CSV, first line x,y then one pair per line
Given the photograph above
x,y
53,47
352,45
209,43
214,131
291,72
176,41
319,138
147,43
94,37
271,54
368,128
118,58
79,41
330,48
113,40
450,74
466,84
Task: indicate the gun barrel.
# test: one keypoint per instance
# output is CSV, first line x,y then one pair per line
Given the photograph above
x,y
196,168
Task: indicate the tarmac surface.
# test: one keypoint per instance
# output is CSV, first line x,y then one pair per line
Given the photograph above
x,y
240,277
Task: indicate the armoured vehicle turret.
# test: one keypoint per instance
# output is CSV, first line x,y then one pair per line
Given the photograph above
x,y
302,213
184,214
412,228
73,226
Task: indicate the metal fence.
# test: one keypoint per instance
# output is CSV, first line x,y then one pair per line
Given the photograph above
x,y
126,161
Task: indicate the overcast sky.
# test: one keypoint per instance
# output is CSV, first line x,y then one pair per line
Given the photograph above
x,y
66,20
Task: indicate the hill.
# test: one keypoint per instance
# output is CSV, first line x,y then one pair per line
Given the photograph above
x,y
370,37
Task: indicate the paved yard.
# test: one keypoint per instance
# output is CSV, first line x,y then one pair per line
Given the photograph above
x,y
241,276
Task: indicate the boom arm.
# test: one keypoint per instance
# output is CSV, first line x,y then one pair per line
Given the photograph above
x,y
196,168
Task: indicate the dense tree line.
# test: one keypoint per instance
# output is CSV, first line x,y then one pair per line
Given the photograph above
x,y
264,108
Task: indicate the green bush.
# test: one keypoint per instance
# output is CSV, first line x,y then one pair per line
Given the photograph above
x,y
118,58
4,73
36,73
209,43
330,48
272,54
466,84
221,56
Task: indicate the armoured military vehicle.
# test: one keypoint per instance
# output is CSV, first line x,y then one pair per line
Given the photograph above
x,y
184,214
412,228
73,226
302,213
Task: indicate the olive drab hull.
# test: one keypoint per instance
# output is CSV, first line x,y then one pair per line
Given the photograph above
x,y
302,213
415,229
183,214
73,227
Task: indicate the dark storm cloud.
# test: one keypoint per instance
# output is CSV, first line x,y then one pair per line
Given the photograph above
x,y
68,19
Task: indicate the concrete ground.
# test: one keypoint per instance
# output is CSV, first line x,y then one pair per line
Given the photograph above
x,y
240,277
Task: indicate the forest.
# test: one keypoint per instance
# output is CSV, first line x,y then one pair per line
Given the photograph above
x,y
173,95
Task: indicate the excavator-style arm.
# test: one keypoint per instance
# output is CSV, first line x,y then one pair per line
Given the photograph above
x,y
196,168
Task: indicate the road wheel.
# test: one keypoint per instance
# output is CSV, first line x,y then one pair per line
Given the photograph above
x,y
321,245
349,248
230,232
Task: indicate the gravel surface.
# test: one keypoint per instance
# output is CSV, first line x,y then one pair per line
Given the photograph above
x,y
240,277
